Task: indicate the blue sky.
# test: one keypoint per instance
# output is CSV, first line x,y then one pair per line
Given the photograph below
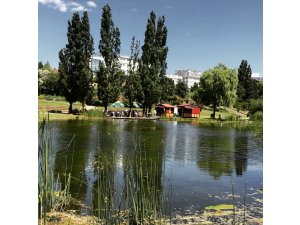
x,y
201,33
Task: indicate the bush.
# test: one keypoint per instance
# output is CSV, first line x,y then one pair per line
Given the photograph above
x,y
257,116
256,105
241,106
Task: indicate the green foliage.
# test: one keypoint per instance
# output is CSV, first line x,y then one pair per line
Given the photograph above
x,y
153,65
257,116
194,87
168,89
244,79
41,66
218,87
109,74
181,89
49,84
255,106
132,87
75,73
241,106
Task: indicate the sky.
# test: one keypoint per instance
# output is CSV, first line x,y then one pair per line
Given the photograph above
x,y
201,33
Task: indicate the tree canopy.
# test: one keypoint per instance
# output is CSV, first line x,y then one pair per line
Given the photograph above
x,y
153,65
75,75
132,87
109,74
244,80
218,86
181,89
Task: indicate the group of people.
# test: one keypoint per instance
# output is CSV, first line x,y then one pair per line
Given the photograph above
x,y
124,113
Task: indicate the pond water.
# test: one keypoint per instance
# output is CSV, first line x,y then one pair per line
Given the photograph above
x,y
202,165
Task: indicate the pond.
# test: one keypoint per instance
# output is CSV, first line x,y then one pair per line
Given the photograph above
x,y
198,165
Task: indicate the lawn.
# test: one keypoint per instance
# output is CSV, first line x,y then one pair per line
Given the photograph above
x,y
46,103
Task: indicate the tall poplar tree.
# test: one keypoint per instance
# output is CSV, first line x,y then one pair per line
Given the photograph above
x,y
75,75
132,87
71,63
153,61
86,79
244,76
109,74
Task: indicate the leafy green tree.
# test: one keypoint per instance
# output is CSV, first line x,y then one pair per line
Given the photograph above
x,y
244,80
47,66
86,78
181,89
109,74
153,64
75,74
132,87
49,83
194,87
168,89
41,66
218,86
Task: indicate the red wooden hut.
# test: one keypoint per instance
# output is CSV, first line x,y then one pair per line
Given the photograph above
x,y
189,111
166,110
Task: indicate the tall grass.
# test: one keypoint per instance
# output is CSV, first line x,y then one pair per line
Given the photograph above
x,y
140,200
50,195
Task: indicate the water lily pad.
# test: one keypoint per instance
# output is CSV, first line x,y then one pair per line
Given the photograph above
x,y
220,207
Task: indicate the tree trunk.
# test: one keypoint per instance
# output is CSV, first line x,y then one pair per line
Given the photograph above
x,y
70,107
214,113
83,105
105,110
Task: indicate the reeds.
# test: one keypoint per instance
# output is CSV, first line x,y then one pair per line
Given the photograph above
x,y
50,194
140,200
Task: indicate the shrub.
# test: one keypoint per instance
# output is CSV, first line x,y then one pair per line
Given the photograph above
x,y
257,116
255,105
241,106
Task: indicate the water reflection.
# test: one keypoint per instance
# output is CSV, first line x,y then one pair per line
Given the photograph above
x,y
107,154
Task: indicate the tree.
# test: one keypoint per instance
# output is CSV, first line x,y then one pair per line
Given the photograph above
x,y
41,66
194,87
181,89
109,74
218,86
74,71
153,64
244,80
86,78
132,87
168,89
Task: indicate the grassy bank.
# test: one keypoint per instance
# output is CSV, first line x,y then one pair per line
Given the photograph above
x,y
46,103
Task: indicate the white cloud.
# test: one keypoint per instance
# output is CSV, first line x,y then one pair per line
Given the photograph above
x,y
134,10
91,4
63,5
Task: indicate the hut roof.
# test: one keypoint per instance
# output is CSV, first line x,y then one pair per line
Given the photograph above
x,y
164,106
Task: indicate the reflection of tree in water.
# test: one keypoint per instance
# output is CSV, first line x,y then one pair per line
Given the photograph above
x,y
143,169
104,199
215,155
240,154
72,158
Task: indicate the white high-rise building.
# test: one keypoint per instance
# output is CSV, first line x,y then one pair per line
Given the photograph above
x,y
174,77
189,76
96,58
